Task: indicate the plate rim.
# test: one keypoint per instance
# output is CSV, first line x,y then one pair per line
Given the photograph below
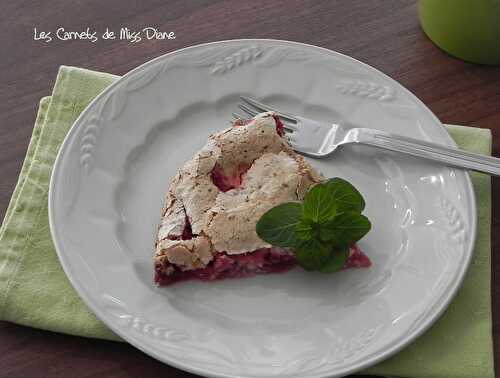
x,y
87,299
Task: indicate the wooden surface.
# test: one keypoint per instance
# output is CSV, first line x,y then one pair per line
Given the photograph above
x,y
382,33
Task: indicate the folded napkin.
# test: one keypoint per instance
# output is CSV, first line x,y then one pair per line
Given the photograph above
x,y
34,290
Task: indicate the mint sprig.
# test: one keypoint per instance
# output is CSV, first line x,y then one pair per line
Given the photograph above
x,y
321,229
345,228
277,226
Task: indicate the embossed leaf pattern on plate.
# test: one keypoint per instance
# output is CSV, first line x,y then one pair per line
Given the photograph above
x,y
87,143
236,59
456,226
118,309
369,90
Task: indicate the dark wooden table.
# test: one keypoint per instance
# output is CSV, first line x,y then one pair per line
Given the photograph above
x,y
382,33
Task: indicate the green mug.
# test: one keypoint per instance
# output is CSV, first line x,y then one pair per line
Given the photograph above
x,y
467,29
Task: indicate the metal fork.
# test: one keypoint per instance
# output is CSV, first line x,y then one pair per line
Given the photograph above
x,y
319,139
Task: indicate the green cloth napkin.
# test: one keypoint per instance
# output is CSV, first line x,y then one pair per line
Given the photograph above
x,y
34,290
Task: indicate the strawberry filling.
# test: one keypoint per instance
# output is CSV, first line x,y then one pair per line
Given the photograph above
x,y
242,122
280,128
357,259
264,260
187,233
225,182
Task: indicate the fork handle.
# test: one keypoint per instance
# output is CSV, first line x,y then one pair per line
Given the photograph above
x,y
432,151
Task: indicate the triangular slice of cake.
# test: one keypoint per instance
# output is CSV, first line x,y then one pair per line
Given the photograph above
x,y
207,231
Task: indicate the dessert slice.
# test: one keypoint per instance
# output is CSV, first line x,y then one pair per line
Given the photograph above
x,y
207,230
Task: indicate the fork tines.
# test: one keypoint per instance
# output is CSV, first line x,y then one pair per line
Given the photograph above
x,y
253,107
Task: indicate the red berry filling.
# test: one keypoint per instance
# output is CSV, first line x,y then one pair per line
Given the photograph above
x,y
264,260
224,182
357,259
187,233
242,122
280,128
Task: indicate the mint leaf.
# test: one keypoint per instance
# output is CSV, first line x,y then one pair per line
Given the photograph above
x,y
312,254
305,230
345,228
319,204
345,196
338,258
277,226
333,196
321,230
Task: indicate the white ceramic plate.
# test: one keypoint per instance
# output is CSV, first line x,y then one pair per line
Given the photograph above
x,y
116,163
